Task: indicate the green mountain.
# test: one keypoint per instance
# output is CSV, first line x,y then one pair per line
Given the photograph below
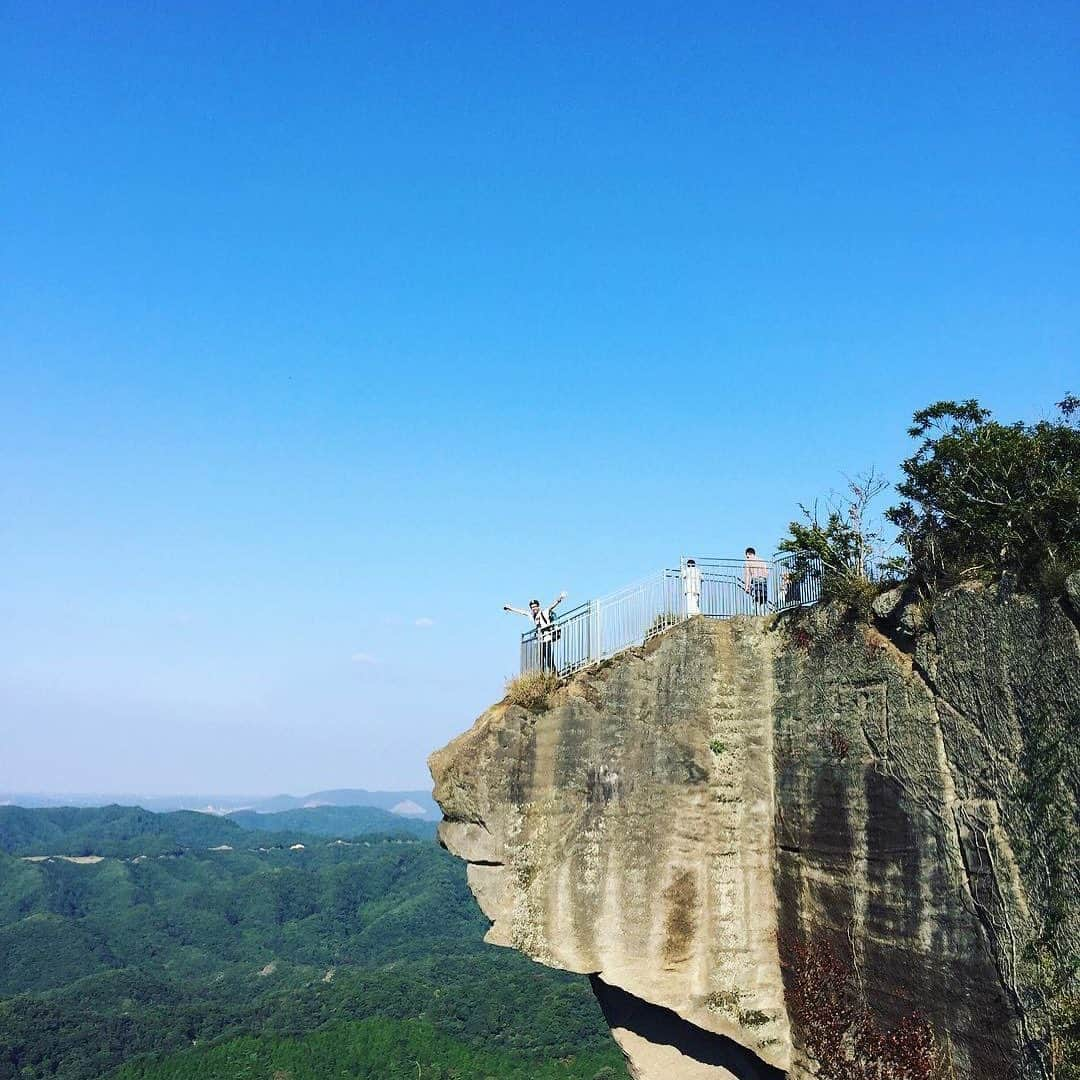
x,y
336,821
175,960
128,831
120,831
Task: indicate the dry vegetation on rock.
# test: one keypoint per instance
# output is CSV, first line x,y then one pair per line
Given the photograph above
x,y
531,690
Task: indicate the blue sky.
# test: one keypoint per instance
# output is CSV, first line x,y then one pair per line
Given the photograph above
x,y
327,329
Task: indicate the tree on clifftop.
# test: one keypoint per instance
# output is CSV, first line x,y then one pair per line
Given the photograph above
x,y
986,499
848,540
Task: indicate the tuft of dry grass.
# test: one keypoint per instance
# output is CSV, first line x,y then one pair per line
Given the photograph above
x,y
664,621
531,690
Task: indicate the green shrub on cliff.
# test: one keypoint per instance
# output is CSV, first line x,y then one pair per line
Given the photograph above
x,y
987,499
849,542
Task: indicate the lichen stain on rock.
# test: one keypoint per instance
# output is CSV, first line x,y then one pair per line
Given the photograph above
x,y
680,923
893,861
521,771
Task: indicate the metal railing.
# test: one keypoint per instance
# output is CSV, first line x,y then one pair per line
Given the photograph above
x,y
633,615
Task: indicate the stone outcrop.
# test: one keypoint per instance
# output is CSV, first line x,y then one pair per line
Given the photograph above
x,y
745,809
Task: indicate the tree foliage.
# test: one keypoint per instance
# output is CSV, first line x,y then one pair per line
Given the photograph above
x,y
981,500
987,499
371,1049
847,539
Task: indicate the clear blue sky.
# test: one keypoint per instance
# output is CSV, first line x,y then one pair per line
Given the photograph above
x,y
321,319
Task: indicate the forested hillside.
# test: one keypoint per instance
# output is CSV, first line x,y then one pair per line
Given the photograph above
x,y
123,831
182,961
366,1050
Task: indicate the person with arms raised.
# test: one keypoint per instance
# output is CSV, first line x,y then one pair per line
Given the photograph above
x,y
546,631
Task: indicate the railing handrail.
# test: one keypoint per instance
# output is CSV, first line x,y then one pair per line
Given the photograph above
x,y
633,587
631,615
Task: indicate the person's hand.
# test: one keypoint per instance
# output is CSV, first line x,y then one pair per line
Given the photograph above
x,y
562,595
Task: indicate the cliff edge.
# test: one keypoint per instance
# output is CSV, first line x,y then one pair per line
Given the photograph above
x,y
796,845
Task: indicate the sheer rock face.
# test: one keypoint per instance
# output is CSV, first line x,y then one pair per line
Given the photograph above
x,y
606,835
684,822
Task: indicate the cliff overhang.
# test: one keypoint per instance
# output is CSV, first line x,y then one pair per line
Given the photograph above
x,y
696,823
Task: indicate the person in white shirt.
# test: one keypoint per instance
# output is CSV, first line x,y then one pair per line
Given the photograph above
x,y
756,577
691,584
546,631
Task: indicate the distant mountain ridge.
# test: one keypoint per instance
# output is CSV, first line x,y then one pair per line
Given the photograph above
x,y
131,831
393,801
334,821
382,800
122,831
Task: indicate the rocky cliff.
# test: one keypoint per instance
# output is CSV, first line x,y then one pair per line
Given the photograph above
x,y
799,845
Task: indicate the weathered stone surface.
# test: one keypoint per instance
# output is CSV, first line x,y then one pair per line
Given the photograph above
x,y
897,785
1072,591
912,620
887,602
683,822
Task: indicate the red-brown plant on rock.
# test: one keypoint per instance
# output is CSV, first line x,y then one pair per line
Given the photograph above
x,y
821,1007
838,744
840,1033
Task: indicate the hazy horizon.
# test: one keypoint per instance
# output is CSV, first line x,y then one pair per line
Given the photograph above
x,y
396,801
44,793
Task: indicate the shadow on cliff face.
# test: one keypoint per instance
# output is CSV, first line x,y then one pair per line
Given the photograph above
x,y
663,1027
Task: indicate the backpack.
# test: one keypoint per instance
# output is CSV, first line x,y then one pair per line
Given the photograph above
x,y
549,631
